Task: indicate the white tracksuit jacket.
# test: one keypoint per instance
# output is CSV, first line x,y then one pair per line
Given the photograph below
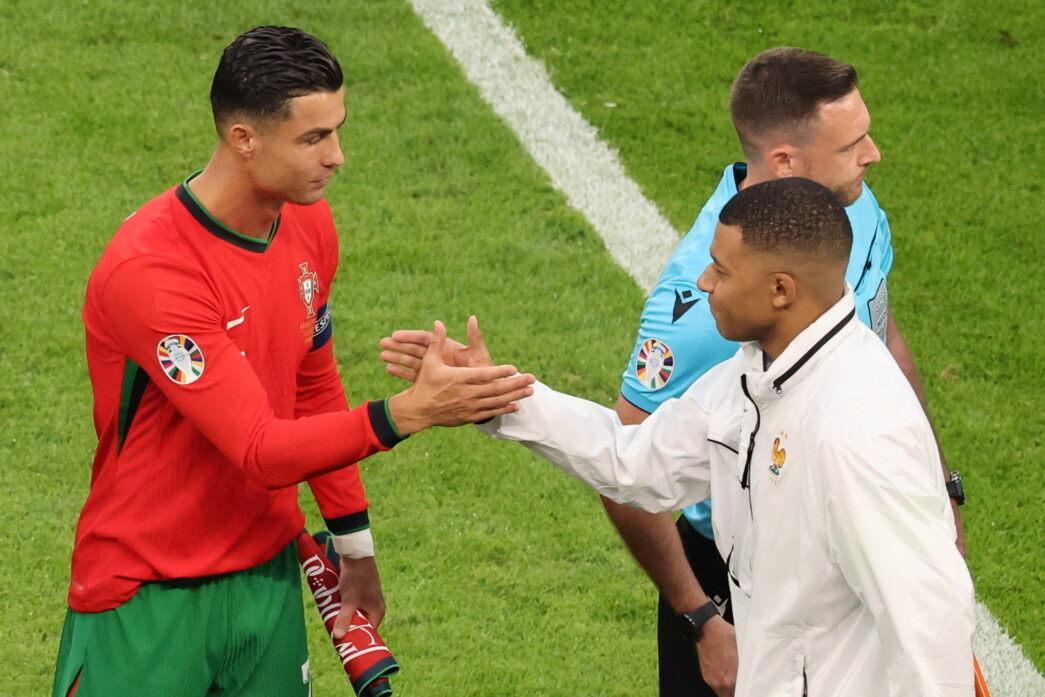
x,y
829,507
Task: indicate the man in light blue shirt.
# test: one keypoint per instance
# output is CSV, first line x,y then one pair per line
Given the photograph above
x,y
797,113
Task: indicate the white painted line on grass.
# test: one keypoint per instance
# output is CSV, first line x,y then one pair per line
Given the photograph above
x,y
557,137
1008,671
637,236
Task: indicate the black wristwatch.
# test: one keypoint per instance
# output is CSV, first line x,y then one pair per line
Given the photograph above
x,y
955,489
690,624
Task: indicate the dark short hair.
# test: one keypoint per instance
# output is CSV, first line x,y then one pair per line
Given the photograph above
x,y
791,216
780,90
263,69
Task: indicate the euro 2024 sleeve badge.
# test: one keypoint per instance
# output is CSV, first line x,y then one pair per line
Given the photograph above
x,y
654,364
180,359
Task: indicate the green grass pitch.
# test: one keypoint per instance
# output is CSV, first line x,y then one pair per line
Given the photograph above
x,y
502,576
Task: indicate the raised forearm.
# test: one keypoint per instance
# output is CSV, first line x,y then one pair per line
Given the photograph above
x,y
657,467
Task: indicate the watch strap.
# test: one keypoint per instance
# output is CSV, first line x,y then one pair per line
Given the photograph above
x,y
691,623
955,489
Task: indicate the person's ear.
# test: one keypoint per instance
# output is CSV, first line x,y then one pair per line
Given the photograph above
x,y
784,161
784,290
242,138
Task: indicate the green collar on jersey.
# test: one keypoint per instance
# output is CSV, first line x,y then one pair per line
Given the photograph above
x,y
215,226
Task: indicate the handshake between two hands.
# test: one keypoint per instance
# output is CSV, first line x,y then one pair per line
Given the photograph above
x,y
452,383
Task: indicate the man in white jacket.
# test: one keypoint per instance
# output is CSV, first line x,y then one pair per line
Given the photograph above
x,y
830,506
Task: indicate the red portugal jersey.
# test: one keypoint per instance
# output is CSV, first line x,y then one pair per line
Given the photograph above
x,y
215,393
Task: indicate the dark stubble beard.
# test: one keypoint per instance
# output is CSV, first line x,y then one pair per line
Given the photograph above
x,y
847,198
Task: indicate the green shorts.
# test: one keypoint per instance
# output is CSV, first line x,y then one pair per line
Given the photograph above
x,y
239,634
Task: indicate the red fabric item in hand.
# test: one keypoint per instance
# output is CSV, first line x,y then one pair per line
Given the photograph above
x,y
363,653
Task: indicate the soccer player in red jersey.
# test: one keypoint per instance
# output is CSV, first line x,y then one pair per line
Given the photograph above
x,y
216,392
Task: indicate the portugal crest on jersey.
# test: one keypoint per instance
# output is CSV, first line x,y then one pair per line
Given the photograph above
x,y
654,364
180,358
308,286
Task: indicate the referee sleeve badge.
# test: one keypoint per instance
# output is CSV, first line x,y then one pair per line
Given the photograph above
x,y
654,364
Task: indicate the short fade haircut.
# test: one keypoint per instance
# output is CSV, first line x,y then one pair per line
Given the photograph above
x,y
780,90
793,216
262,70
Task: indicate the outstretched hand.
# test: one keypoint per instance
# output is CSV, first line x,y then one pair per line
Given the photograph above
x,y
452,384
405,349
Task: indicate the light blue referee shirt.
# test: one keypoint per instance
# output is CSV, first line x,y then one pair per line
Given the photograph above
x,y
678,341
